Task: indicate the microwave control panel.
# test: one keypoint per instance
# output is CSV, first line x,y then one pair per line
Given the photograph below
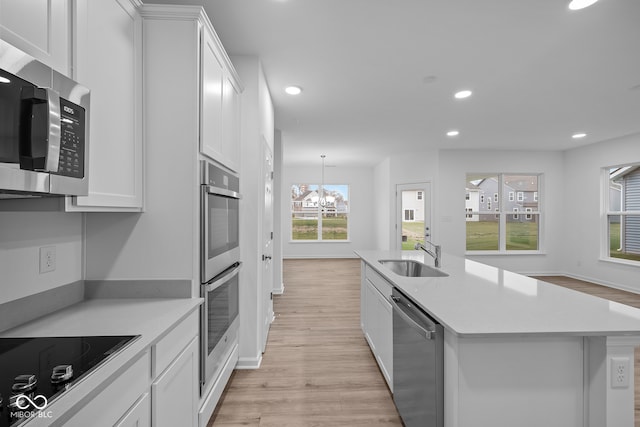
x,y
72,139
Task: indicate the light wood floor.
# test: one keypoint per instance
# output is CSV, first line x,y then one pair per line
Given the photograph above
x,y
318,369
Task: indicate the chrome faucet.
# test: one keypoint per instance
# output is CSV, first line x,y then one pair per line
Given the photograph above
x,y
437,254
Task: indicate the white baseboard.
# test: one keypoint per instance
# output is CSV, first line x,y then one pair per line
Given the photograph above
x,y
249,362
280,290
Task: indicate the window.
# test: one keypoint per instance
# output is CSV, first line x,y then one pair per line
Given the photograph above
x,y
528,215
503,229
419,195
409,215
622,201
319,213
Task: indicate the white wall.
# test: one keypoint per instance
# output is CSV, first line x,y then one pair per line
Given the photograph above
x,y
21,236
411,168
583,220
450,222
256,126
362,226
382,212
162,242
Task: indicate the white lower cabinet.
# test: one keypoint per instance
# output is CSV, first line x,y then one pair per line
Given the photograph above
x,y
175,392
377,320
160,388
118,400
139,415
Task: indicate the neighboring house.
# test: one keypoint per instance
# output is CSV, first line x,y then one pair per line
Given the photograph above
x,y
520,197
306,204
413,205
626,181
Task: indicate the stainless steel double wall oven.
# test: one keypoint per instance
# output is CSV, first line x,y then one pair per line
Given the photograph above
x,y
220,266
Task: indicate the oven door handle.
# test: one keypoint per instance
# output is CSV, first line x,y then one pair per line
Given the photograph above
x,y
210,189
217,281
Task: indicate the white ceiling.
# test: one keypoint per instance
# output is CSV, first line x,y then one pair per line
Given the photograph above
x,y
379,75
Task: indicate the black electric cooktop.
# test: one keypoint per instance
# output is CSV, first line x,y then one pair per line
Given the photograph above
x,y
35,371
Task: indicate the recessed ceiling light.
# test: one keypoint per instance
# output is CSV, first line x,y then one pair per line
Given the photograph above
x,y
578,135
453,133
293,90
580,4
4,80
463,94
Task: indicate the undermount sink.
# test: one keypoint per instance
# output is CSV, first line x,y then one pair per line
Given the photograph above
x,y
411,268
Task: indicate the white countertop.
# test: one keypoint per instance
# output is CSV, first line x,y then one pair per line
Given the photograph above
x,y
480,300
149,318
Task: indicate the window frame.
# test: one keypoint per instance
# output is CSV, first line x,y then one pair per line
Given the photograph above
x,y
317,205
503,215
607,212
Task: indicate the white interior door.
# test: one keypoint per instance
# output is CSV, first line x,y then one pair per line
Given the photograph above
x,y
267,243
413,214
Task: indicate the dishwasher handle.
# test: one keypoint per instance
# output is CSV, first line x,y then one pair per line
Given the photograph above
x,y
427,333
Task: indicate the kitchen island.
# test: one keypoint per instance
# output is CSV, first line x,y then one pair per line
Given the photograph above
x,y
520,351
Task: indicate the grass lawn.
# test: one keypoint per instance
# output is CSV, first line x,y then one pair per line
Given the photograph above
x,y
484,236
415,233
614,244
333,228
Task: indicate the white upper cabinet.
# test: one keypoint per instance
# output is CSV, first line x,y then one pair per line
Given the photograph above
x,y
40,28
212,93
231,122
109,64
220,114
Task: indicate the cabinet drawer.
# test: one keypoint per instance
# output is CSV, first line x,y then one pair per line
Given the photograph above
x,y
116,399
381,284
166,350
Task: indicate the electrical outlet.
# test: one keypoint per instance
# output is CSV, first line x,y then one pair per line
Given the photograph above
x,y
619,372
47,259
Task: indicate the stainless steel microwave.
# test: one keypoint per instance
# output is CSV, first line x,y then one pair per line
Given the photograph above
x,y
44,129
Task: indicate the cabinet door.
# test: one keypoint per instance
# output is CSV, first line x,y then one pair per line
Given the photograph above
x,y
108,63
139,415
370,325
175,392
40,28
230,124
384,344
211,93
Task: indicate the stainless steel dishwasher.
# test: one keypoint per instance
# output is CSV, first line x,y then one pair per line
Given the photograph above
x,y
418,368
